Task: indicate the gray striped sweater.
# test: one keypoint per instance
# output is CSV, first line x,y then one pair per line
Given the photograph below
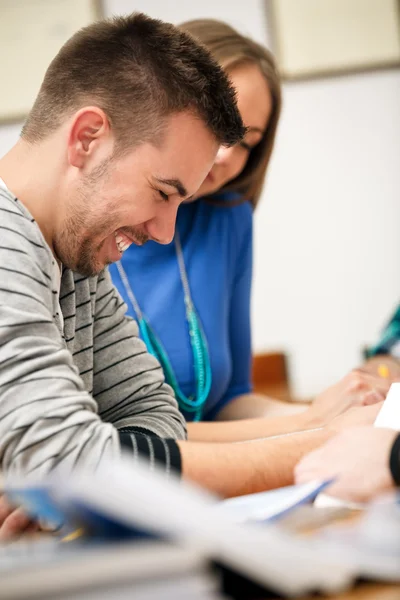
x,y
76,382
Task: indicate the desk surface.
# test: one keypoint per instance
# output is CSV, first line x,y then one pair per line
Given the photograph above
x,y
366,591
308,520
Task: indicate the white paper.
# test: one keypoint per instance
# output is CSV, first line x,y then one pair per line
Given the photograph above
x,y
267,506
326,501
389,415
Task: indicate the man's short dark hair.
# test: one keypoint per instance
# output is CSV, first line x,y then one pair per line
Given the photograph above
x,y
139,70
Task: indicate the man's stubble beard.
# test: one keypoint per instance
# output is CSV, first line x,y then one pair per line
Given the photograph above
x,y
74,244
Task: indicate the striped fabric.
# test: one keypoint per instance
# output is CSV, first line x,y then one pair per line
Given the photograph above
x,y
76,382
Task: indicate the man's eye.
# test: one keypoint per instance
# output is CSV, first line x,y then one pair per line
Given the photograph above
x,y
247,147
164,196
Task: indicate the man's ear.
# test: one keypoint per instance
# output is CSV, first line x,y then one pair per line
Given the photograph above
x,y
90,125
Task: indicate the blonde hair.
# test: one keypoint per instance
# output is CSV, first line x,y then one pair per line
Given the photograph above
x,y
232,49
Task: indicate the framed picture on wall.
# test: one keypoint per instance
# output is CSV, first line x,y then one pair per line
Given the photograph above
x,y
31,33
325,37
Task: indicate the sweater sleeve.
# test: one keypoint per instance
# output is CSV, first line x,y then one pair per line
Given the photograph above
x,y
130,381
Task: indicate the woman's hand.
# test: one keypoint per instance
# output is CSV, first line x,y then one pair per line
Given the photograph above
x,y
385,363
356,389
357,416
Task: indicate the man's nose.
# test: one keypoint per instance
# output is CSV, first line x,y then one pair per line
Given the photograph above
x,y
162,227
223,154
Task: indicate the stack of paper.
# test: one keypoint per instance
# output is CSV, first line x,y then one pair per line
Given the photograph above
x,y
125,497
124,501
143,570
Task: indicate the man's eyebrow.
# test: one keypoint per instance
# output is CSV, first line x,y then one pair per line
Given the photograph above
x,y
175,183
255,130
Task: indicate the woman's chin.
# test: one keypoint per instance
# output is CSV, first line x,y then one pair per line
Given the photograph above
x,y
206,189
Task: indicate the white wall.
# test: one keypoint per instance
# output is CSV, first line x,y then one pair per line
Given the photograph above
x,y
8,136
327,232
327,249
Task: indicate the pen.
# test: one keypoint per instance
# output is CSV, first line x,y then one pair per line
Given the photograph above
x,y
383,371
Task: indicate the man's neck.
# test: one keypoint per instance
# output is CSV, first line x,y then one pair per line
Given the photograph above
x,y
22,171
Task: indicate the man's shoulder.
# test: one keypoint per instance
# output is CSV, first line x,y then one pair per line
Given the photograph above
x,y
20,233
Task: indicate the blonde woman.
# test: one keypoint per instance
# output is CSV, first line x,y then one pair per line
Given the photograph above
x,y
191,298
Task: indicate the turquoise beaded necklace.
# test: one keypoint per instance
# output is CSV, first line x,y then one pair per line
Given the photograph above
x,y
201,359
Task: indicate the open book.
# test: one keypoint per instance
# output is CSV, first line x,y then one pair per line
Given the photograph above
x,y
124,497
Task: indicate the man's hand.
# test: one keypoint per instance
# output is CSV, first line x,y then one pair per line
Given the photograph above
x,y
358,388
13,521
359,460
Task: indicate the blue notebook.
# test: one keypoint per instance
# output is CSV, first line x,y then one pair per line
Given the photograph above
x,y
72,519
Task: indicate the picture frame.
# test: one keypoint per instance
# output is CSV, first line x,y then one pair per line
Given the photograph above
x,y
318,38
31,33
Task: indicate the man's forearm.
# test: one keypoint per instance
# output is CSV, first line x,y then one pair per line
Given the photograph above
x,y
248,467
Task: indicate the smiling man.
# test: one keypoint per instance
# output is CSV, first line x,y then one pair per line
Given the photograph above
x,y
125,127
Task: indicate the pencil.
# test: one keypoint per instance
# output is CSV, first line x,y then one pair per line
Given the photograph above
x,y
383,371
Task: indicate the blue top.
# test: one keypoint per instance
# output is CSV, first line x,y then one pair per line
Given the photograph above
x,y
217,250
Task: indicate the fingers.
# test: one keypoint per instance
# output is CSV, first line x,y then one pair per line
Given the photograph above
x,y
362,380
303,472
311,467
14,524
5,509
367,388
372,397
33,527
371,412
